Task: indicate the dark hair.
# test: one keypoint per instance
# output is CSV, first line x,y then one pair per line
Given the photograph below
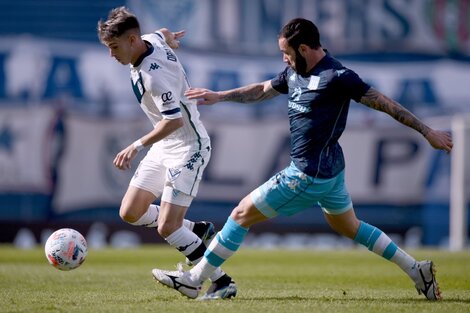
x,y
301,31
119,21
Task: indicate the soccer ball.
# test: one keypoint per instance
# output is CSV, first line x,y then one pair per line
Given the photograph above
x,y
66,249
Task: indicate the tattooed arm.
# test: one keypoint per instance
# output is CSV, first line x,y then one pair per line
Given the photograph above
x,y
378,101
251,93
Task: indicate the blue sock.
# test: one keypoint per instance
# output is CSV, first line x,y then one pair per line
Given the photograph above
x,y
378,242
375,240
226,243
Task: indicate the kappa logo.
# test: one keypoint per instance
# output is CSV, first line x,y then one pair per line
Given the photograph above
x,y
183,248
154,66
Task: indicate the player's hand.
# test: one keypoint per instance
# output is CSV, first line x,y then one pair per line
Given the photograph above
x,y
172,38
440,140
203,96
123,159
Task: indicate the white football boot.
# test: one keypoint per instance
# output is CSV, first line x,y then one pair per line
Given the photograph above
x,y
178,280
427,283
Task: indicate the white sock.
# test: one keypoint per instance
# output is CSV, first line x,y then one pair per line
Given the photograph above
x,y
203,270
188,224
218,272
150,218
378,242
406,262
184,240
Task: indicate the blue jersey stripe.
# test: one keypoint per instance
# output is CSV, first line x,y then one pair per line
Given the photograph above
x,y
172,111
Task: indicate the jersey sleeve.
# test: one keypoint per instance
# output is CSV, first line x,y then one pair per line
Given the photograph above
x,y
164,86
351,84
279,83
160,36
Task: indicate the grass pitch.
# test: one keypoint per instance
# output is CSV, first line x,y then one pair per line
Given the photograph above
x,y
268,281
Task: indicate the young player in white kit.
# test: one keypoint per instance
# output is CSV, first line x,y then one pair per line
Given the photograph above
x,y
179,144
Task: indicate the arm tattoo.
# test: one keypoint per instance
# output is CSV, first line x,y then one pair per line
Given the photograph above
x,y
377,101
250,93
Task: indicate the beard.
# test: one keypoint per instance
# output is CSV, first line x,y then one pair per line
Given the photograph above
x,y
300,64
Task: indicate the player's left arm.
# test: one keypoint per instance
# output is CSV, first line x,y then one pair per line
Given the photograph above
x,y
164,128
376,100
167,102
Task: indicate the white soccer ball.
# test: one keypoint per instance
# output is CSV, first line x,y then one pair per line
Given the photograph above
x,y
66,249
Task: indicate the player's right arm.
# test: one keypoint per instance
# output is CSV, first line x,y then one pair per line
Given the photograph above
x,y
247,94
172,38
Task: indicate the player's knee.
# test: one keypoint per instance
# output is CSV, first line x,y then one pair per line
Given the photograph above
x,y
166,228
241,214
346,229
127,214
237,214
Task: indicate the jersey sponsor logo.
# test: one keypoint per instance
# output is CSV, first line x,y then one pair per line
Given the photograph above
x,y
295,98
154,66
167,97
298,107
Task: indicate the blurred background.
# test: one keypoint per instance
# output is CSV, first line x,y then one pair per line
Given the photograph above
x,y
66,109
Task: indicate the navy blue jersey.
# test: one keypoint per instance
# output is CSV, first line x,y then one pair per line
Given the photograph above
x,y
318,109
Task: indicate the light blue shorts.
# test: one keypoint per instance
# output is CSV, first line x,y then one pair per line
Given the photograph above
x,y
291,191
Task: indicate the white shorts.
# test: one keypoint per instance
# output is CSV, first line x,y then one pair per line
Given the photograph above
x,y
178,174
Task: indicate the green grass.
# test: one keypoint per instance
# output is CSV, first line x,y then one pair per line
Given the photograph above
x,y
268,281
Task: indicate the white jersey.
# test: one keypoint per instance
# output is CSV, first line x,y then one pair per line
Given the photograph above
x,y
159,82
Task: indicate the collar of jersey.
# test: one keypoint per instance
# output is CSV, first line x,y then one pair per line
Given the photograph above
x,y
146,53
